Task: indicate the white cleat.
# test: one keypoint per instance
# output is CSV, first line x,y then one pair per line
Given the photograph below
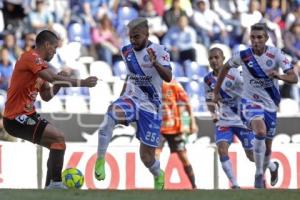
x,y
56,185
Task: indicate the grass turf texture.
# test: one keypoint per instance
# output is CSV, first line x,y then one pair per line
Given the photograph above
x,y
271,194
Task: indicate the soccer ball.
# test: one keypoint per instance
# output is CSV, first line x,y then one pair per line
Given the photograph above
x,y
72,178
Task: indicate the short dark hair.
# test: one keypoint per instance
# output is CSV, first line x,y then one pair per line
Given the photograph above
x,y
260,27
45,36
216,49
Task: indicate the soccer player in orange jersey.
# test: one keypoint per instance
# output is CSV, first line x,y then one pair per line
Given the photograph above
x,y
31,76
175,104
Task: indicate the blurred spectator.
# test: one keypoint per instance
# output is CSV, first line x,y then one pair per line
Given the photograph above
x,y
156,24
292,16
208,25
274,13
158,6
172,15
185,5
10,43
6,69
106,40
292,40
249,18
229,13
13,14
180,41
64,53
40,18
29,41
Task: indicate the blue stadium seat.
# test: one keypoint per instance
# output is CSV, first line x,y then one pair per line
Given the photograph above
x,y
177,70
120,69
194,71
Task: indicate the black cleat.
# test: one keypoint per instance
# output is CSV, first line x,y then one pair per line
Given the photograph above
x,y
274,174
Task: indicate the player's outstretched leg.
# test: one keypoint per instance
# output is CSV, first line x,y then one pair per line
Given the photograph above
x,y
100,169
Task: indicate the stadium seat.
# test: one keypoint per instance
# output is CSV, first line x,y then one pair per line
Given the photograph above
x,y
295,138
281,138
120,70
177,70
102,71
54,105
100,98
201,54
195,71
117,88
76,104
288,106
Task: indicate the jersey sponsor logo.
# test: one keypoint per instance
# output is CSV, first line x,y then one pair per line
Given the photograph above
x,y
270,55
140,80
230,77
261,83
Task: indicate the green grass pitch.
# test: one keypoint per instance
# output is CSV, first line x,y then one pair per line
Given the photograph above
x,y
270,194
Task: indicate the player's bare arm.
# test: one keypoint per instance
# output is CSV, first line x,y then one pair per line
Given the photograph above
x,y
47,92
223,72
62,81
164,72
290,76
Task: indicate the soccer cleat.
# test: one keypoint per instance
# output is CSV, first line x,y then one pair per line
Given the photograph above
x,y
259,181
274,174
100,169
235,187
159,181
56,185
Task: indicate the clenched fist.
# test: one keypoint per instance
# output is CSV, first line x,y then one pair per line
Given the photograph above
x,y
89,82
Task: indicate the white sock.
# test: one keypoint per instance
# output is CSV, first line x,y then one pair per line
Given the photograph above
x,y
271,166
267,162
155,168
227,168
259,151
105,134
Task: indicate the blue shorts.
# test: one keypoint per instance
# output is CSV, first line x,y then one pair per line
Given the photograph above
x,y
148,124
225,134
250,110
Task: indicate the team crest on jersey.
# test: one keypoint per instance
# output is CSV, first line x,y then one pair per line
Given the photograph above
x,y
269,63
228,84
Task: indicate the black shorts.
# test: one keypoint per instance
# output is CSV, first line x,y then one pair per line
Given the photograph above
x,y
176,142
27,127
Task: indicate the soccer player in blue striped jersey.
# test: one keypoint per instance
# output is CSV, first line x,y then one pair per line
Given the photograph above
x,y
226,116
148,65
260,97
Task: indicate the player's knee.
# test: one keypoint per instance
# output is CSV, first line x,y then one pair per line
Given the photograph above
x,y
58,141
222,151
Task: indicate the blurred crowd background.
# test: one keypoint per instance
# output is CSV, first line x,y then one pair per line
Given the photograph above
x,y
91,33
